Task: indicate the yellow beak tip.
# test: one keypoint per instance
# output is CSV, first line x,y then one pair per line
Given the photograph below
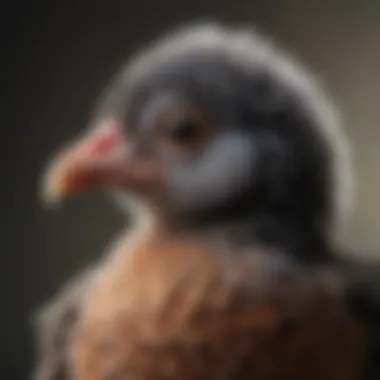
x,y
51,195
51,191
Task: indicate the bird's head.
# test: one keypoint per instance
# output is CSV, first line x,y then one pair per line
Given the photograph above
x,y
211,124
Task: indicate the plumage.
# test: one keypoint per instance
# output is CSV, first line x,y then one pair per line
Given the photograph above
x,y
236,172
177,309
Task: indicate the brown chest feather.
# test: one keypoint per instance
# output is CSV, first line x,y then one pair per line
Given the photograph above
x,y
177,310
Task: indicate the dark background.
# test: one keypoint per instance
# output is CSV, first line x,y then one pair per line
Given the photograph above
x,y
57,57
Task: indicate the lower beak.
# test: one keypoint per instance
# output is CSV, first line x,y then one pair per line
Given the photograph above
x,y
101,158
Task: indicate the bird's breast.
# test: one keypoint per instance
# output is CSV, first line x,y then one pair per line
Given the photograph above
x,y
170,309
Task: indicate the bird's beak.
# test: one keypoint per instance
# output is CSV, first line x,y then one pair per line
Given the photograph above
x,y
102,158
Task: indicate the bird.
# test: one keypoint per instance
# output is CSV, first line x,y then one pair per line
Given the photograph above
x,y
232,164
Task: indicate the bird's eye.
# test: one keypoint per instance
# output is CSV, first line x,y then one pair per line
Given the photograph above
x,y
185,130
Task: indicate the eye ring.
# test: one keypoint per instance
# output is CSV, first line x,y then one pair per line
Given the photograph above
x,y
185,129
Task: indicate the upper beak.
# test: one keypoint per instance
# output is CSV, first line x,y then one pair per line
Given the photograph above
x,y
101,158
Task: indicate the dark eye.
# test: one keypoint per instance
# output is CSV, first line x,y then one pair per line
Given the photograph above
x,y
185,130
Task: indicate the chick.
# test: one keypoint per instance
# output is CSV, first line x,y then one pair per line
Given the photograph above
x,y
236,174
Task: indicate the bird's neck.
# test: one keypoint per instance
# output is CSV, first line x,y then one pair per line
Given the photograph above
x,y
294,237
298,236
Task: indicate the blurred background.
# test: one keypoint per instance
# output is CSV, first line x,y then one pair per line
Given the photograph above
x,y
57,57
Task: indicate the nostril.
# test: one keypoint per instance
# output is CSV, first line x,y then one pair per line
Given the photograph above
x,y
105,138
104,144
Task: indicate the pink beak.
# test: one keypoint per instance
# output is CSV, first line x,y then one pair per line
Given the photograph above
x,y
102,158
